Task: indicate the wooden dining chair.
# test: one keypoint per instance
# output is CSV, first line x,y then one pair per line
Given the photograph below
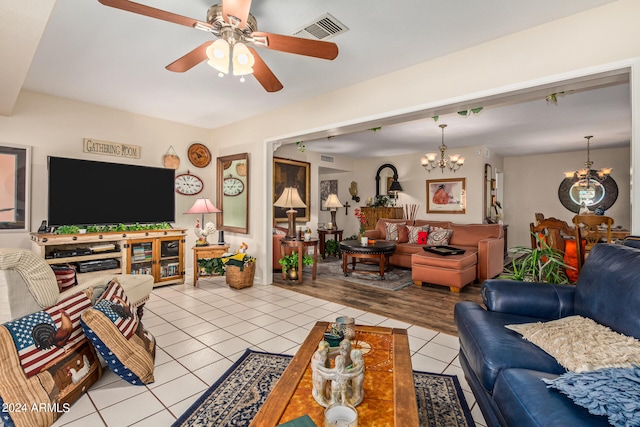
x,y
554,231
587,229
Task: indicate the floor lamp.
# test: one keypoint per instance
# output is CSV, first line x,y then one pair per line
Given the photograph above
x,y
290,198
333,203
204,206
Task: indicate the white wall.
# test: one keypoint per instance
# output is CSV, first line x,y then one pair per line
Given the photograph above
x,y
531,185
56,126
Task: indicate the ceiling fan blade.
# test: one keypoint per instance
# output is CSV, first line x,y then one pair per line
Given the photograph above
x,y
238,9
263,73
189,60
152,12
297,45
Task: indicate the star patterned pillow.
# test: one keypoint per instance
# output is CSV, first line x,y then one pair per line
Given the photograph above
x,y
129,353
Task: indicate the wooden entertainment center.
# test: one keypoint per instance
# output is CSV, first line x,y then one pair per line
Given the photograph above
x,y
156,252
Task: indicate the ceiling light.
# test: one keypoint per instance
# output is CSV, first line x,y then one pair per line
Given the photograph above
x,y
242,60
429,160
218,54
222,53
586,175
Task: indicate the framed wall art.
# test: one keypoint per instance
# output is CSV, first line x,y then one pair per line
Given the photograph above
x,y
15,164
291,173
446,196
327,187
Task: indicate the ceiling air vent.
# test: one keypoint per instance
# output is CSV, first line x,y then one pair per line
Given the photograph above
x,y
326,158
322,28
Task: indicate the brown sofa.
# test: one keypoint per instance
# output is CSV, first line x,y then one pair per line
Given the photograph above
x,y
483,257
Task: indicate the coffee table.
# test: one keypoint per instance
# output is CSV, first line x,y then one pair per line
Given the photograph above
x,y
389,393
379,251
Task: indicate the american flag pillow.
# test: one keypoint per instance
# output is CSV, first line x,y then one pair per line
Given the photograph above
x,y
114,304
42,337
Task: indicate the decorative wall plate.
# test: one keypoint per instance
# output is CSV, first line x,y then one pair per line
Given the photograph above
x,y
188,185
199,155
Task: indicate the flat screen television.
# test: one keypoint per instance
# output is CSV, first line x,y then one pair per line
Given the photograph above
x,y
86,192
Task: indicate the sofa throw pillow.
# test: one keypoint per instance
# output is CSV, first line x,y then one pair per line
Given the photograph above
x,y
414,230
612,392
46,335
51,363
65,276
403,234
392,230
118,335
439,236
580,344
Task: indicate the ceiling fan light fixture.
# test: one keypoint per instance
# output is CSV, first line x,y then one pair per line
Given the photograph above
x,y
218,54
243,60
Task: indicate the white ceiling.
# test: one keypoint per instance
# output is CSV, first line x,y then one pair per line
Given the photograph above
x,y
97,54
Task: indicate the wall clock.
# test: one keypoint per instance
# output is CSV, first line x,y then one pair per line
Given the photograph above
x,y
232,186
199,155
188,184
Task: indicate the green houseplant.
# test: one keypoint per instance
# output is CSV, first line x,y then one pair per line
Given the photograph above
x,y
539,264
289,264
332,248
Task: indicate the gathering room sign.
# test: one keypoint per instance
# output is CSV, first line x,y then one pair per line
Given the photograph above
x,y
108,148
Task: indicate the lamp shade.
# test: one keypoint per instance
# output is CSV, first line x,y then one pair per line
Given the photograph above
x,y
243,60
218,54
395,186
202,206
290,198
333,202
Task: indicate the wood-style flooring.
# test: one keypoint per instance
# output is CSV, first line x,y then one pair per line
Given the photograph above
x,y
430,306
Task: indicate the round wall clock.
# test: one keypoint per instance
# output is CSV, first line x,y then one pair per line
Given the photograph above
x,y
199,155
188,184
232,186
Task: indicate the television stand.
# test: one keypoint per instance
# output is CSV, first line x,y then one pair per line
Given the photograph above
x,y
156,252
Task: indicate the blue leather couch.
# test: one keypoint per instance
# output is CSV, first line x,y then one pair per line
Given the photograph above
x,y
504,371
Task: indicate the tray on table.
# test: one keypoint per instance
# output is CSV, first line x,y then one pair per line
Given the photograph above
x,y
444,250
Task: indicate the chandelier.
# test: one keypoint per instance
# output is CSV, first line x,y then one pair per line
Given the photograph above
x,y
429,161
586,175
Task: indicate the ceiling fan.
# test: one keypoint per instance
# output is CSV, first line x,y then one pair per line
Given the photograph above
x,y
234,28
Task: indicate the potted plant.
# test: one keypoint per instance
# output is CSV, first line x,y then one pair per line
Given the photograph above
x,y
289,264
540,264
332,248
212,266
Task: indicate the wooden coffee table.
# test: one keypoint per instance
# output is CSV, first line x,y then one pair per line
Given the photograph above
x,y
379,252
389,393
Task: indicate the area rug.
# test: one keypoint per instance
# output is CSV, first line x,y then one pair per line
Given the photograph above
x,y
394,280
238,395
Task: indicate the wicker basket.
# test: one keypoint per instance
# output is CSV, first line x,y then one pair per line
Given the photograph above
x,y
240,279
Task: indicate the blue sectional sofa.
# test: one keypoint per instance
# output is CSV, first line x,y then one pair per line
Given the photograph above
x,y
504,371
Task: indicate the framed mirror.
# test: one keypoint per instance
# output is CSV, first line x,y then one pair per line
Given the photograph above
x,y
232,196
489,184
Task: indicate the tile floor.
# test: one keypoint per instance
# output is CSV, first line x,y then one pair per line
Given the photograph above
x,y
201,331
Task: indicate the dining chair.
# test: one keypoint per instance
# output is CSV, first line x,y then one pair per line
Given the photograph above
x,y
554,231
588,229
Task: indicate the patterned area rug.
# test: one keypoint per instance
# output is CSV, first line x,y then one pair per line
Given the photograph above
x,y
394,280
237,396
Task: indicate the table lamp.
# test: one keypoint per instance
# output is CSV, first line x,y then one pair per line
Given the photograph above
x,y
395,187
290,198
203,206
333,203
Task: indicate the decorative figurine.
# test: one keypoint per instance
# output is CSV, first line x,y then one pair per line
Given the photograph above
x,y
345,381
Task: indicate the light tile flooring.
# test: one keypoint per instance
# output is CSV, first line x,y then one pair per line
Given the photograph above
x,y
201,331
